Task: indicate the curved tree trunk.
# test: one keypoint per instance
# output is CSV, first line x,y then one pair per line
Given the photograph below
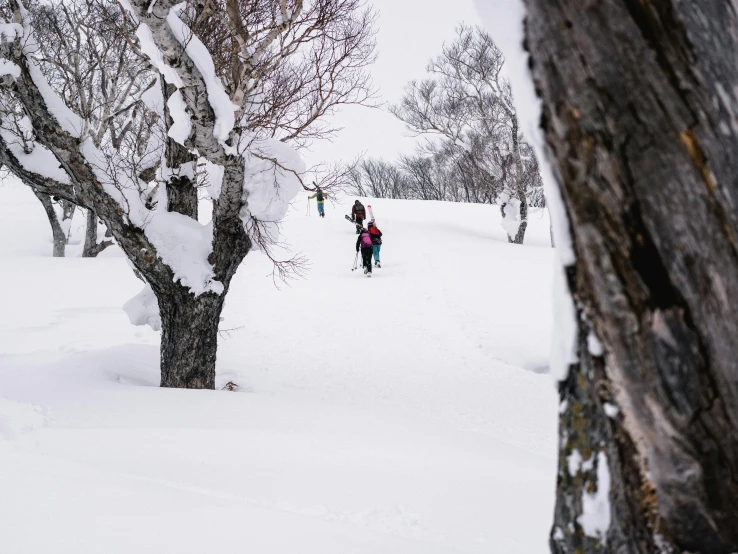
x,y
641,119
58,235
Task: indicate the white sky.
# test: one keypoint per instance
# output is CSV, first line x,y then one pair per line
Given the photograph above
x,y
410,32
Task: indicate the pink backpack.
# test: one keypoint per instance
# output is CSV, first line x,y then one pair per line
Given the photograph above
x,y
366,240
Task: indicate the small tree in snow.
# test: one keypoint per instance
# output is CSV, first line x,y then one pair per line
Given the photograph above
x,y
187,120
466,105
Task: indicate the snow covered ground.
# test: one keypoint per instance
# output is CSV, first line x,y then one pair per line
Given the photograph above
x,y
408,413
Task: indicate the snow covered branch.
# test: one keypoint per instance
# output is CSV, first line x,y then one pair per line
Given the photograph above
x,y
125,108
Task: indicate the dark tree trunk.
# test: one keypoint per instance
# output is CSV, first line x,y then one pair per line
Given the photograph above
x,y
182,196
189,323
520,235
59,238
92,248
641,121
189,337
520,186
587,432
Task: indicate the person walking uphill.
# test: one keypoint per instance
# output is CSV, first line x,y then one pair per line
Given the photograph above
x,y
321,196
358,214
364,242
376,235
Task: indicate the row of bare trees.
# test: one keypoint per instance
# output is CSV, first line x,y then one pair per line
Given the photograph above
x,y
424,177
98,74
132,109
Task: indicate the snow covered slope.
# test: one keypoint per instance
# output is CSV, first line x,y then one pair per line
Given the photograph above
x,y
408,413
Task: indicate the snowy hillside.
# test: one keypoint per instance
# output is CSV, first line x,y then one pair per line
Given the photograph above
x,y
407,413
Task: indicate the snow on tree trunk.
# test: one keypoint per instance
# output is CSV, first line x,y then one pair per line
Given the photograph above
x,y
58,236
509,220
640,115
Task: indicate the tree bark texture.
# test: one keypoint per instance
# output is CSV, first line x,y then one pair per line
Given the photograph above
x,y
640,115
588,433
58,236
189,337
182,196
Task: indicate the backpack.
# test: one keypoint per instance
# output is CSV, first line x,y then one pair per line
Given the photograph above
x,y
359,209
320,196
374,233
366,240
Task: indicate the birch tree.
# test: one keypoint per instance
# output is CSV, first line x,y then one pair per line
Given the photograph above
x,y
192,129
640,115
467,104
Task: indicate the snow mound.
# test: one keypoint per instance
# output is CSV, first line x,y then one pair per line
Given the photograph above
x,y
271,178
143,309
184,245
18,418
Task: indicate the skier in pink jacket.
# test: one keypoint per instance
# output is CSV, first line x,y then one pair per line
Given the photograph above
x,y
364,243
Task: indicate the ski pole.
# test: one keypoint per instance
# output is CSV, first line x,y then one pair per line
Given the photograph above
x,y
356,261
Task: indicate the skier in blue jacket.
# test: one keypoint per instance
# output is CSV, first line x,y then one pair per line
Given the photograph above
x,y
320,196
376,235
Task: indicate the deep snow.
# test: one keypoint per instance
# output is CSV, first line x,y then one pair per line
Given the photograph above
x,y
406,413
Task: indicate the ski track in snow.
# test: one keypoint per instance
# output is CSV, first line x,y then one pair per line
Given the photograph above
x,y
374,415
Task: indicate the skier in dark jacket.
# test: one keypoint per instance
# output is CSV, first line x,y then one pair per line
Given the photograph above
x,y
358,214
376,235
364,243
